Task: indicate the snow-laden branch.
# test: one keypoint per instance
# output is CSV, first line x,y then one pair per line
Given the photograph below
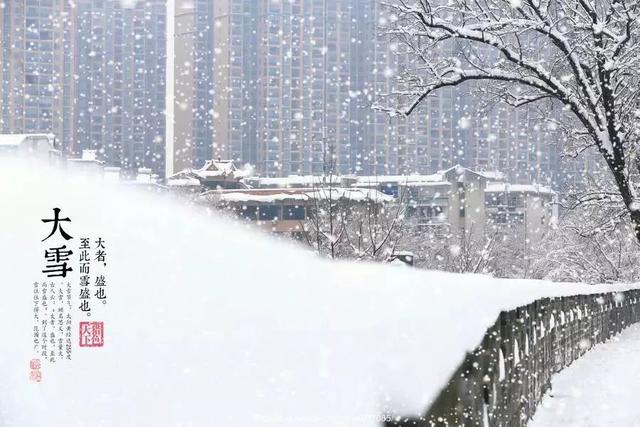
x,y
582,54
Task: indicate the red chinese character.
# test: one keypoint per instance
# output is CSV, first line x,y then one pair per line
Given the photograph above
x,y
91,334
36,375
34,364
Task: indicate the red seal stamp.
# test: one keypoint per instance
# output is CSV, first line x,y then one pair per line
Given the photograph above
x,y
36,375
91,334
34,364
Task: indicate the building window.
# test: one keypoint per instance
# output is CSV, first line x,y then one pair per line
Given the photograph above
x,y
294,212
248,212
269,212
389,189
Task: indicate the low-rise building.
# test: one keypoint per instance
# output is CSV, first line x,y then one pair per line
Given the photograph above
x,y
301,181
528,208
453,198
458,200
214,174
34,146
87,163
283,210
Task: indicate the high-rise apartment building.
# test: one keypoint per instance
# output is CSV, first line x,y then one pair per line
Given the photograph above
x,y
304,78
233,116
211,76
450,127
180,95
91,72
288,86
32,43
120,87
274,83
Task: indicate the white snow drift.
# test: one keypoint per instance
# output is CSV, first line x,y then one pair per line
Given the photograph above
x,y
210,324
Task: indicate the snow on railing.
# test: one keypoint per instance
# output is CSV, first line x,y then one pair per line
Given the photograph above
x,y
502,381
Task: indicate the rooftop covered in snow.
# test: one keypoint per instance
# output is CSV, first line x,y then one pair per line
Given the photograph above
x,y
307,181
16,139
503,187
88,156
271,195
37,145
214,173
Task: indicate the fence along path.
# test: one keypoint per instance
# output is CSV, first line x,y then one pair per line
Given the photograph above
x,y
501,382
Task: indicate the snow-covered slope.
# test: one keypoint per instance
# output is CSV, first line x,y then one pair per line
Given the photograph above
x,y
599,389
210,324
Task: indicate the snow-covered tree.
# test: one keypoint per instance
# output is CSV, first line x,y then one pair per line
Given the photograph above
x,y
581,55
374,228
437,248
361,226
325,226
576,252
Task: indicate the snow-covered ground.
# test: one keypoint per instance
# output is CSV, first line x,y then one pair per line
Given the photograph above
x,y
211,324
599,389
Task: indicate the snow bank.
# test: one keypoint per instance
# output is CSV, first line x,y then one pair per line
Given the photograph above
x,y
599,389
211,324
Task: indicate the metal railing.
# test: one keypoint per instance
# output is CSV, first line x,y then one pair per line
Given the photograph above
x,y
502,381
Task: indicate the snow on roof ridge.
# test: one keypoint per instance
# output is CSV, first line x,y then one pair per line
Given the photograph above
x,y
18,138
522,188
413,177
270,195
294,178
